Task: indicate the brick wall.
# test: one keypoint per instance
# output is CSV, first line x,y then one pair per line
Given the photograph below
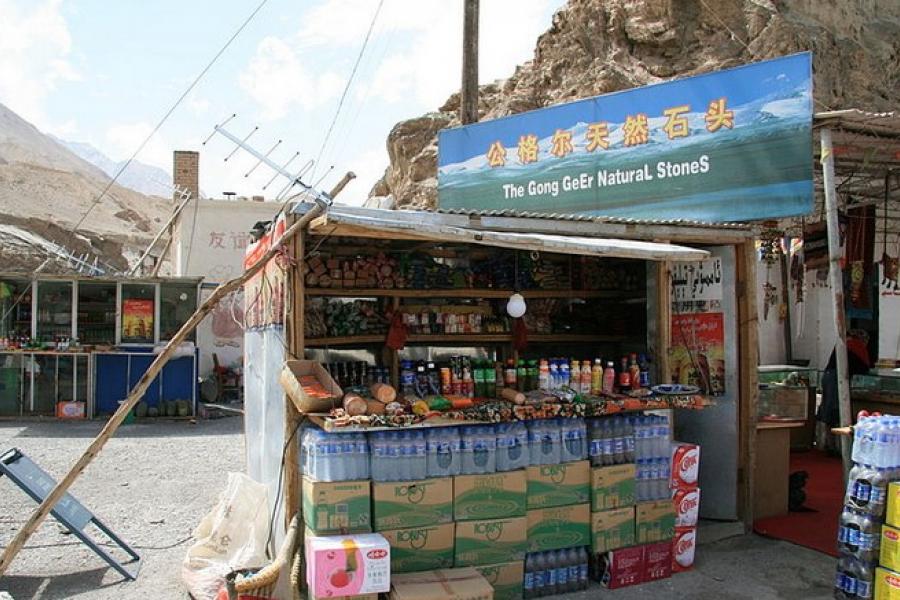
x,y
186,172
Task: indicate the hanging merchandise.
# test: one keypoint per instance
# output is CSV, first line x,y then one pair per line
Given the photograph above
x,y
859,251
890,266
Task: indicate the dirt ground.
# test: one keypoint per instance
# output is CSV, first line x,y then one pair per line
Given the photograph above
x,y
151,485
154,482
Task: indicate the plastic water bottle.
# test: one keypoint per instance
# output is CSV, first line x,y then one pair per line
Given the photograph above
x,y
574,439
583,559
418,456
512,446
628,436
640,484
573,560
543,443
618,438
443,448
479,446
550,582
528,591
540,574
562,571
662,441
865,580
845,579
862,440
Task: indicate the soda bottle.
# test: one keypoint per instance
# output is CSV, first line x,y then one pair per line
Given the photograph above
x,y
562,571
645,371
624,375
509,377
586,376
575,376
865,580
539,568
533,375
595,446
634,372
490,380
521,376
844,579
609,378
573,559
628,433
564,373
528,584
550,587
478,376
583,558
544,376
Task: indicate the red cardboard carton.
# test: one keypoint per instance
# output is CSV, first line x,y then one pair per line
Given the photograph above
x,y
685,466
623,567
657,561
687,506
684,547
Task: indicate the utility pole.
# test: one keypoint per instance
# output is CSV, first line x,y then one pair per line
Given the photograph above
x,y
468,106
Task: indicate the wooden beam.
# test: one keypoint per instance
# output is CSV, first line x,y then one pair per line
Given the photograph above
x,y
468,104
294,307
836,281
41,512
748,386
664,320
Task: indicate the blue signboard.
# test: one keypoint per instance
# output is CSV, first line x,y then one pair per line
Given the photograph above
x,y
733,145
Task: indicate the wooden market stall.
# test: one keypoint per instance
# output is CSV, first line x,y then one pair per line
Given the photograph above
x,y
638,316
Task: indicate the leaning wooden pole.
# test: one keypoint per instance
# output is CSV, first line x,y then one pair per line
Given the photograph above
x,y
836,281
41,512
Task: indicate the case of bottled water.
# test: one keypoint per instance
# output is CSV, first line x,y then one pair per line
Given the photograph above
x,y
479,450
512,446
573,434
333,456
444,446
544,443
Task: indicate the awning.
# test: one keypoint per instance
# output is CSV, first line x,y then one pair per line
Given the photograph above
x,y
404,225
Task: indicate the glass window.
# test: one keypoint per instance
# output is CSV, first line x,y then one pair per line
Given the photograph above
x,y
177,302
54,310
15,308
138,313
96,313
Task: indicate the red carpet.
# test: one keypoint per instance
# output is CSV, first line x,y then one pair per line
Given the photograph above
x,y
824,496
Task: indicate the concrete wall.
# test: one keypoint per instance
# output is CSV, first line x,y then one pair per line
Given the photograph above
x,y
210,239
771,327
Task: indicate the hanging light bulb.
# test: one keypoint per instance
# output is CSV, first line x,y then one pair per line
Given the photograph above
x,y
515,306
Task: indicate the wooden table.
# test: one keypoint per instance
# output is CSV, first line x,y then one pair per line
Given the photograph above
x,y
773,468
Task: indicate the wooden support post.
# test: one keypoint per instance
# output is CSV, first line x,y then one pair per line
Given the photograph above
x,y
664,321
748,379
468,105
836,281
294,321
41,512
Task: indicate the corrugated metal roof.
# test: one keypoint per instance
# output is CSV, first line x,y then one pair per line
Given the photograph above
x,y
588,218
883,124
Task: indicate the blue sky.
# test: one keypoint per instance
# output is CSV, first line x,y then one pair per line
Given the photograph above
x,y
105,71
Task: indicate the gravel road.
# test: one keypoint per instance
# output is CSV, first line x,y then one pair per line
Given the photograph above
x,y
151,485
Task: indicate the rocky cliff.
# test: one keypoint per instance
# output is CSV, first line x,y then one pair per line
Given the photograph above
x,y
599,46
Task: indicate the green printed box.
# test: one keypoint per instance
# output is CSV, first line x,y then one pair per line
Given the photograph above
x,y
491,496
654,521
612,487
559,485
331,507
612,529
506,579
421,548
559,527
490,542
401,505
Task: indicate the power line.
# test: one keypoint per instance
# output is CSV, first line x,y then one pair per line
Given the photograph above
x,y
167,115
349,82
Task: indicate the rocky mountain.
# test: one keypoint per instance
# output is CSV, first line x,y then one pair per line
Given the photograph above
x,y
45,190
599,46
140,177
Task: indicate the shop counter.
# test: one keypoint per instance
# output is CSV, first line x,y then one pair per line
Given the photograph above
x,y
773,467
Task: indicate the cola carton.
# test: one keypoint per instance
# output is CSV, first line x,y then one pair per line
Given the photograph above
x,y
687,506
685,466
657,561
683,548
619,568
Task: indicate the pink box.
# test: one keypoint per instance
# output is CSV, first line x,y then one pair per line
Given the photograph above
x,y
348,565
657,561
685,466
684,546
687,506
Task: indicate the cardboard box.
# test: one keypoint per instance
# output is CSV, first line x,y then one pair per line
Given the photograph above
x,y
421,548
291,379
890,548
401,505
887,584
620,568
559,527
348,565
559,485
612,487
657,561
491,496
490,542
612,529
892,513
445,584
685,471
331,507
684,547
506,579
687,506
654,521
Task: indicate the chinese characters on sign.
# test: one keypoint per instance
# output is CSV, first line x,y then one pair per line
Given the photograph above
x,y
237,240
732,145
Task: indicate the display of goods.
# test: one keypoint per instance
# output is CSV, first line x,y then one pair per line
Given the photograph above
x,y
555,572
333,317
687,506
539,317
348,565
378,271
685,465
473,319
596,274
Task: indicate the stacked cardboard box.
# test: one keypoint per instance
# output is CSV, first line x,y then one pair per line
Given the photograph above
x,y
685,481
887,575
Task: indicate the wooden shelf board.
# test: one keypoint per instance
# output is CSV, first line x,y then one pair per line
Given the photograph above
x,y
464,293
482,338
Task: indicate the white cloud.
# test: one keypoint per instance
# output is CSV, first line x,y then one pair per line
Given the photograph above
x,y
34,48
278,80
123,139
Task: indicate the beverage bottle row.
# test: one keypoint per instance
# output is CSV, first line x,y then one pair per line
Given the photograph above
x,y
512,446
357,374
867,488
876,442
334,456
854,579
555,572
651,436
555,441
479,450
652,479
859,535
611,441
398,455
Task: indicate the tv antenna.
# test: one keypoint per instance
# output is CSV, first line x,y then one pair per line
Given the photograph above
x,y
293,178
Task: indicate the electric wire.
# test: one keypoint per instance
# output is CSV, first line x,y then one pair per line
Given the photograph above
x,y
165,117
